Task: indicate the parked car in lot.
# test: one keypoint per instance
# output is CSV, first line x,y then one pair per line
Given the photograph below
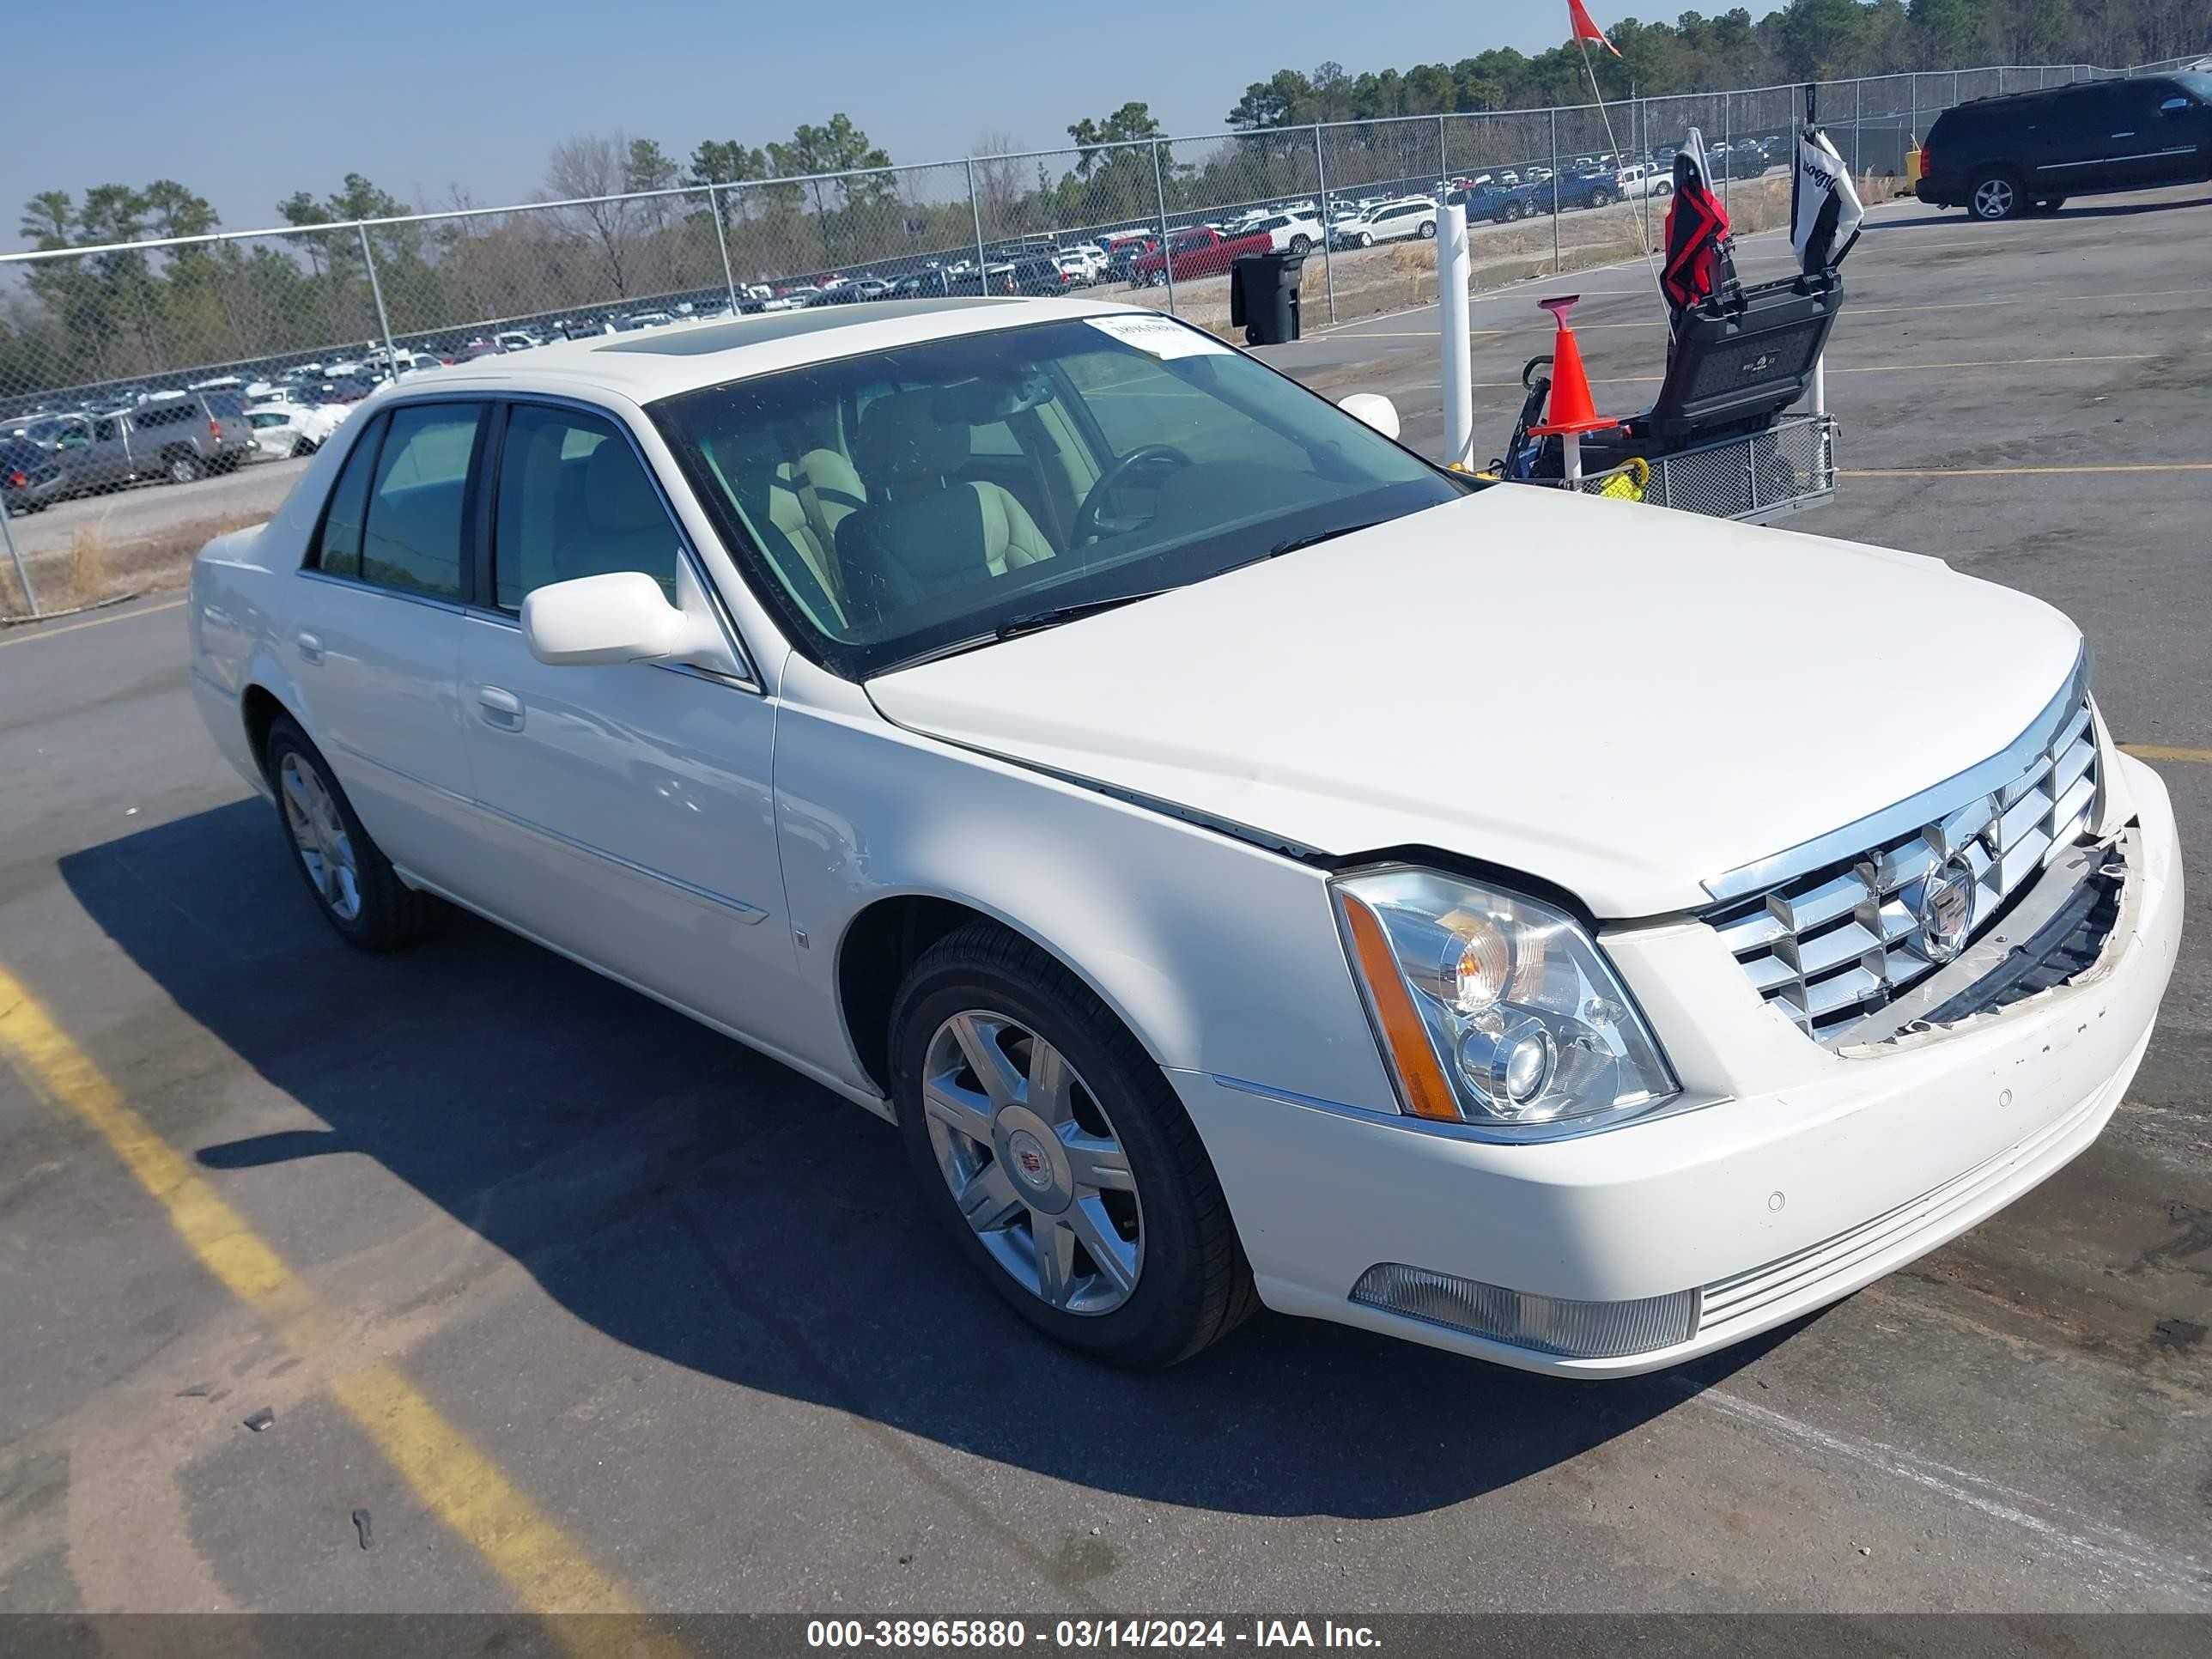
x,y
1289,232
2028,151
30,476
1008,806
1201,251
284,430
1639,178
1409,216
173,436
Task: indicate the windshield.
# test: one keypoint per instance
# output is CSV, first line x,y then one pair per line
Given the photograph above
x,y
2196,83
902,503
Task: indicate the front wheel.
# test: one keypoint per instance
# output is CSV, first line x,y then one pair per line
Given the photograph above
x,y
1300,244
1598,198
354,884
1048,1141
1366,238
1997,197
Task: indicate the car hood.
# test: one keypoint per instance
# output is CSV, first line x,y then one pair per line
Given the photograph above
x,y
1618,699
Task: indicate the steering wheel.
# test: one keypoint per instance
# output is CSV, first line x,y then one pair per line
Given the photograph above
x,y
1087,526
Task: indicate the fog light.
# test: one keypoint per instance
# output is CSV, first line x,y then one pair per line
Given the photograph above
x,y
1545,1324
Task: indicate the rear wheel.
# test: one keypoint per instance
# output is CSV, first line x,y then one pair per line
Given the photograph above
x,y
1428,227
183,466
1600,199
1048,1141
1367,239
1996,196
354,884
1300,244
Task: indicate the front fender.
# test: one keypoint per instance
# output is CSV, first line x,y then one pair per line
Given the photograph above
x,y
1219,956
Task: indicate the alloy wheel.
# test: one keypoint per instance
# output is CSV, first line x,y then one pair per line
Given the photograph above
x,y
1033,1162
319,835
1993,199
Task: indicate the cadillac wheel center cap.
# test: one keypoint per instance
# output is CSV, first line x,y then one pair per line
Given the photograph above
x,y
1032,1168
1947,909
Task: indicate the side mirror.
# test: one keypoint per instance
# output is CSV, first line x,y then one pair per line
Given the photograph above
x,y
1373,408
620,617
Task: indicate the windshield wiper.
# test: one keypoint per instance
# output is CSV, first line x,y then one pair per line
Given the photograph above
x,y
1320,535
1037,621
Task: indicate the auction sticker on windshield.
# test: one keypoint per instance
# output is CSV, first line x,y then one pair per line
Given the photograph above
x,y
1161,335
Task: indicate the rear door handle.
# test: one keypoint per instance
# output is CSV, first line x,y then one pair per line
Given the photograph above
x,y
311,646
2129,133
499,707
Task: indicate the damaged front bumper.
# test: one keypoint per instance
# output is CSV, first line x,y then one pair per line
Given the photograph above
x,y
1807,1173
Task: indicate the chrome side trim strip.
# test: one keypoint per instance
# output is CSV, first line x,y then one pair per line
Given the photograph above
x,y
1916,811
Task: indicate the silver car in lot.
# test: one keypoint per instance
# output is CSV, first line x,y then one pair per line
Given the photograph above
x,y
177,438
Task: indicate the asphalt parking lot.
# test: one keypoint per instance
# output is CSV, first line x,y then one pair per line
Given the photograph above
x,y
590,1309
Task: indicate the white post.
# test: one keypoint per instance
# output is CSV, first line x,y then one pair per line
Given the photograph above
x,y
1821,383
1571,453
1452,267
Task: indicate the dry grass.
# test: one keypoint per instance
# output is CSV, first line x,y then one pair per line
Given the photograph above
x,y
93,569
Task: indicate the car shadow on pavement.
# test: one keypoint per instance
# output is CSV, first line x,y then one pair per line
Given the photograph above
x,y
2083,210
697,1202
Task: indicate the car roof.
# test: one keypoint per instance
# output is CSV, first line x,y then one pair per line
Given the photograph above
x,y
663,363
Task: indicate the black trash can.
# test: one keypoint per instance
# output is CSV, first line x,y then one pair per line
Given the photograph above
x,y
1263,296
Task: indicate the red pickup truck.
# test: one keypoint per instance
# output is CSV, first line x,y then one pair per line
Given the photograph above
x,y
1201,252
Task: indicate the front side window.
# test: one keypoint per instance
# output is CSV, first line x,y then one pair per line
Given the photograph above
x,y
412,538
957,486
573,501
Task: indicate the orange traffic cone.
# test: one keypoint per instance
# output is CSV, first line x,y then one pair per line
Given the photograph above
x,y
1571,412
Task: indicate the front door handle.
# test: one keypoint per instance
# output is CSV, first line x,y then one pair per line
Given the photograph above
x,y
499,707
311,646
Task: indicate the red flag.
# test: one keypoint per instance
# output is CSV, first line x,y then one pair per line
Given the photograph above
x,y
1578,16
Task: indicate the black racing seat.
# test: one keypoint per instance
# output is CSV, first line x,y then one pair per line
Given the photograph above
x,y
1741,357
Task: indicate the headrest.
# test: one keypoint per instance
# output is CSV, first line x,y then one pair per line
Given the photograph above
x,y
904,439
618,498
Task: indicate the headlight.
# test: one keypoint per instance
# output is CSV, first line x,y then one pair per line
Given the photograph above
x,y
1492,1008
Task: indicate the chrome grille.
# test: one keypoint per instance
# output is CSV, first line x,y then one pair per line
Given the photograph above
x,y
1831,945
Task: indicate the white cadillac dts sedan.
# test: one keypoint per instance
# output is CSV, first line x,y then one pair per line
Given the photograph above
x,y
1249,864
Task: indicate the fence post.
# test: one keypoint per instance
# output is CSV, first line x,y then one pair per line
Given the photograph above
x,y
1167,250
975,214
1728,139
1858,164
1443,152
1912,133
1555,192
721,242
1328,265
1644,160
376,292
16,557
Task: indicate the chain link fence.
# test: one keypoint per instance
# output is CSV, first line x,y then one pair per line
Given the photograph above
x,y
253,326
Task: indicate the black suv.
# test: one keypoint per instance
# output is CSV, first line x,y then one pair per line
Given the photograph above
x,y
2029,151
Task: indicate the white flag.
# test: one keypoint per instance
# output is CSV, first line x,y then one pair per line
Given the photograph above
x,y
1823,205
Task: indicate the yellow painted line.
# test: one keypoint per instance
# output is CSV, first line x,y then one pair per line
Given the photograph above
x,y
117,616
2156,751
455,1481
2017,472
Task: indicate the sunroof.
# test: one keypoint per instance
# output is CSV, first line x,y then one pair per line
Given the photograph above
x,y
736,331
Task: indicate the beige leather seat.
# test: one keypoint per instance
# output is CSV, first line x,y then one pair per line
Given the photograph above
x,y
925,531
812,528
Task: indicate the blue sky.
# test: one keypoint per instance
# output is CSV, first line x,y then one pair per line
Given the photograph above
x,y
247,103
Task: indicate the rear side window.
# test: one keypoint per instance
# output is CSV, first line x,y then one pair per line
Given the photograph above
x,y
226,405
412,540
338,543
151,419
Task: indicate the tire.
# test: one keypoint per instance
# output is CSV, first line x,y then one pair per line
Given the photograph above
x,y
1300,244
1428,229
352,883
1367,239
1996,196
1663,188
183,466
302,449
1181,1282
1509,213
1598,198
